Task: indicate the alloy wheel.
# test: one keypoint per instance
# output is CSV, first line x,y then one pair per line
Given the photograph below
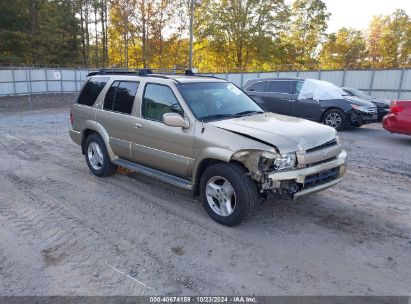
x,y
95,156
220,196
333,120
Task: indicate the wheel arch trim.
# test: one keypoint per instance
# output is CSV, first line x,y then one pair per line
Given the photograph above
x,y
96,127
209,156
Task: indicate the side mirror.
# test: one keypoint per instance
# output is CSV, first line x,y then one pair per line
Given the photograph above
x,y
175,120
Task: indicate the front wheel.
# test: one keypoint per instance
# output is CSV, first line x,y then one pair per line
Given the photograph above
x,y
335,118
228,194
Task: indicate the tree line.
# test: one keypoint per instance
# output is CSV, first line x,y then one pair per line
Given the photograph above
x,y
230,35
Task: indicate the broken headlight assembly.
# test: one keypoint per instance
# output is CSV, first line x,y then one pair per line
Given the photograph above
x,y
275,162
285,161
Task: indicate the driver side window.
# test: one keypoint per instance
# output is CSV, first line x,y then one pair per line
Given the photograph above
x,y
158,100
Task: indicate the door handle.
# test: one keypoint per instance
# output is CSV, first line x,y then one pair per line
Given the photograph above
x,y
138,125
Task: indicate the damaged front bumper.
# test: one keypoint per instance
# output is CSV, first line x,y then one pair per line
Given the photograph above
x,y
300,182
362,118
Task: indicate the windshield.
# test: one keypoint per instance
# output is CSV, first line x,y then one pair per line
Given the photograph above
x,y
214,100
358,93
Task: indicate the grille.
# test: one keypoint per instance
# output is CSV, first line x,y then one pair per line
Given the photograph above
x,y
321,178
326,145
317,155
371,110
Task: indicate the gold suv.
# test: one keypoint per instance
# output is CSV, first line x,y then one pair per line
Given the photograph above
x,y
203,134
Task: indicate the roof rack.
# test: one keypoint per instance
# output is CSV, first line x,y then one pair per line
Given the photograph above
x,y
157,72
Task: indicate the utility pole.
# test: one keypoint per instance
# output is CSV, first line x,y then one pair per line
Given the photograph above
x,y
190,65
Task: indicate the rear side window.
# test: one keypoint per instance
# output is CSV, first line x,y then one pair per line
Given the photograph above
x,y
259,86
280,86
91,90
158,100
120,96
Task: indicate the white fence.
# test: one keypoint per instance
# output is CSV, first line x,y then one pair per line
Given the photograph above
x,y
391,84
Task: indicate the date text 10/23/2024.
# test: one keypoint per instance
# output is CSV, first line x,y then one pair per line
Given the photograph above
x,y
205,299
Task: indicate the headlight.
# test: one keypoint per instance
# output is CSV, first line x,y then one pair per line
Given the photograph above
x,y
359,108
286,161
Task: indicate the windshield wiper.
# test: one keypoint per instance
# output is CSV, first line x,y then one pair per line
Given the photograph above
x,y
247,113
217,116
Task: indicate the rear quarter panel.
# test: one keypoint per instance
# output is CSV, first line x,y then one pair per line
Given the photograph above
x,y
82,114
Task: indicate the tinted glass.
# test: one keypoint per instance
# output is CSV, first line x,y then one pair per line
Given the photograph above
x,y
124,99
217,98
120,96
258,87
280,86
111,93
158,100
91,90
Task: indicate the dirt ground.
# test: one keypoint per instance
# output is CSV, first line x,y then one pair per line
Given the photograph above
x,y
64,231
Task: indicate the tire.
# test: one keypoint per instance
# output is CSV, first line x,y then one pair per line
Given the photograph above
x,y
97,157
335,118
215,186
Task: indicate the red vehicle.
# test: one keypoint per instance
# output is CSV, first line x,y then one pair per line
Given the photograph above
x,y
398,120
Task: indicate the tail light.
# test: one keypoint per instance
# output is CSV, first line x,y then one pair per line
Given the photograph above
x,y
71,118
396,107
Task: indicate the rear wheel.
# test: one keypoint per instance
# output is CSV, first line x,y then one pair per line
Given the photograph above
x,y
97,157
228,194
335,118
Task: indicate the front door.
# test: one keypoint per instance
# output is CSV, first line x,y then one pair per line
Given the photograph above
x,y
305,108
159,146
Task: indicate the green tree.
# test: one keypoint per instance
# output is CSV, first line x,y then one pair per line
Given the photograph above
x,y
14,26
235,30
345,49
307,30
39,32
389,40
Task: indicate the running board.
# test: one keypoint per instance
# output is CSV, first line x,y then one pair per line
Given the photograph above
x,y
160,175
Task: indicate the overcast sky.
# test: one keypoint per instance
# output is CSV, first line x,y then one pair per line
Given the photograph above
x,y
358,13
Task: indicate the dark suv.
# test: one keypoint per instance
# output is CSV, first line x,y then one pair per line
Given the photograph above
x,y
311,99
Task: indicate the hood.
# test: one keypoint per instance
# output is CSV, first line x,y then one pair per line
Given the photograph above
x,y
381,101
287,134
358,101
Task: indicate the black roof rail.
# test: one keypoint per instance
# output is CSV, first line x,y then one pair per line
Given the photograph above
x,y
112,72
144,72
152,72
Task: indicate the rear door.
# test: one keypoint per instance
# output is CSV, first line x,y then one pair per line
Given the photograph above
x,y
115,116
304,108
272,95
